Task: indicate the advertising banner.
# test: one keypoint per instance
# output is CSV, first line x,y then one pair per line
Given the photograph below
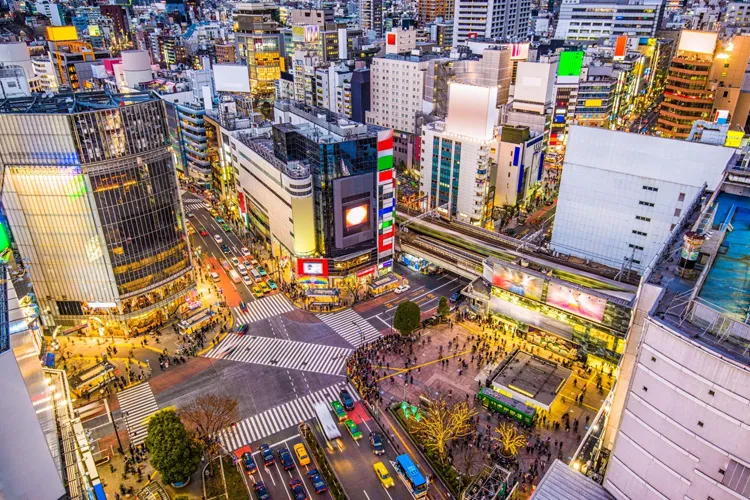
x,y
578,303
312,267
517,282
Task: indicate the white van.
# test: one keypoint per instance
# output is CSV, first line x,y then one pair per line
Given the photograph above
x,y
215,277
255,274
242,269
235,277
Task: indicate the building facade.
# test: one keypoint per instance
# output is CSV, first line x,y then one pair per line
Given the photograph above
x,y
371,17
93,204
594,19
506,21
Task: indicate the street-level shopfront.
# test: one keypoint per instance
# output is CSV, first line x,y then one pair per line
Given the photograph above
x,y
352,276
558,316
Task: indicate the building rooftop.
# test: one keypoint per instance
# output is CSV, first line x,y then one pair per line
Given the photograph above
x,y
263,146
534,377
561,482
710,305
71,102
324,125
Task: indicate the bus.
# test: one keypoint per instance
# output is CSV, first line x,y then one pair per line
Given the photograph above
x,y
235,276
501,403
330,429
410,475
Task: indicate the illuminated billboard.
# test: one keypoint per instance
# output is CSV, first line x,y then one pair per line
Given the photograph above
x,y
308,34
571,63
517,282
578,303
312,267
95,30
61,33
356,218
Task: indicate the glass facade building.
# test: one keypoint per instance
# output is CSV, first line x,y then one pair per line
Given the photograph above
x,y
91,194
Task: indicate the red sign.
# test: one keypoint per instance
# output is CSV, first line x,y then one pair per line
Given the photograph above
x,y
366,272
472,34
241,200
312,267
385,175
391,39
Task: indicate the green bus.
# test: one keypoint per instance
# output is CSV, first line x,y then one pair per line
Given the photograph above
x,y
501,403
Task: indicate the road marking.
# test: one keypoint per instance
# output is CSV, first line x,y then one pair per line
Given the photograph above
x,y
351,327
139,404
365,492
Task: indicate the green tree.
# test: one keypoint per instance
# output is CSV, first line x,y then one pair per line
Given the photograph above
x,y
443,308
174,452
407,318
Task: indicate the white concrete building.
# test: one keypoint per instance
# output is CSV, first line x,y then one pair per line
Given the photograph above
x,y
507,20
460,154
17,54
594,19
519,164
679,424
621,194
532,96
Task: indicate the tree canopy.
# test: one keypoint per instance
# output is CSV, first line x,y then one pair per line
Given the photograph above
x,y
408,318
174,453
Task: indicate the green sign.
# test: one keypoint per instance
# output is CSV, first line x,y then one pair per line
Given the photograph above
x,y
571,63
4,238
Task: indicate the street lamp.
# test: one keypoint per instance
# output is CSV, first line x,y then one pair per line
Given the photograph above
x,y
361,333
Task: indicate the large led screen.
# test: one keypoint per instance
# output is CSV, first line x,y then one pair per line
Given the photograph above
x,y
356,218
518,282
578,303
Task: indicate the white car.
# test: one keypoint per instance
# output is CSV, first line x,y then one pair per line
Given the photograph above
x,y
235,261
247,279
218,239
245,251
242,269
402,289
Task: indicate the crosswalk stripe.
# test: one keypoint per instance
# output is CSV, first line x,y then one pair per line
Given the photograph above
x,y
263,308
351,327
282,353
139,403
279,418
195,205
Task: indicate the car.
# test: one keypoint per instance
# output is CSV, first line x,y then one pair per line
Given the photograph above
x,y
234,261
226,227
218,239
203,232
286,459
219,220
226,265
268,458
455,297
298,491
263,286
215,277
338,410
354,431
225,249
249,463
302,457
191,214
317,481
242,269
245,251
402,288
261,493
213,212
272,284
385,479
376,441
261,271
257,292
346,399
253,262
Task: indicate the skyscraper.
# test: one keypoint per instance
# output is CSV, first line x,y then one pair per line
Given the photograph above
x,y
371,16
506,21
92,199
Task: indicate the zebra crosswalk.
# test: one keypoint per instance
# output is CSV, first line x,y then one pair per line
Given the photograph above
x,y
282,353
266,307
351,326
136,405
192,205
279,418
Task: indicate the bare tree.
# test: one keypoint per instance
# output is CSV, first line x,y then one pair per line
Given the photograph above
x,y
443,423
206,415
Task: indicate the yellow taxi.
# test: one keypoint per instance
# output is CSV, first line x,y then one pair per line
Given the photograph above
x,y
301,452
264,287
385,479
257,291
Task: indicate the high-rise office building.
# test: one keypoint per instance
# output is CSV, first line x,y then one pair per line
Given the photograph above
x,y
594,19
506,21
688,95
259,43
429,10
92,199
371,17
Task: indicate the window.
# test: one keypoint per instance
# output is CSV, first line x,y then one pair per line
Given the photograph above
x,y
640,217
635,246
677,212
681,197
700,424
639,233
646,203
726,93
650,188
